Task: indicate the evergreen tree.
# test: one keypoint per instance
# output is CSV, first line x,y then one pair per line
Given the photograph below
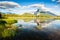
x,y
0,15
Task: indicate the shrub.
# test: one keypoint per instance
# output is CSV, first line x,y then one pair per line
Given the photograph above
x,y
9,21
8,33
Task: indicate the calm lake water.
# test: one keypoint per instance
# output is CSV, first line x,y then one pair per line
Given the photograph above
x,y
54,25
30,25
51,32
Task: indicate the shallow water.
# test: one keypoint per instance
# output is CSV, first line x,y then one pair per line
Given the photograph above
x,y
51,32
31,24
54,25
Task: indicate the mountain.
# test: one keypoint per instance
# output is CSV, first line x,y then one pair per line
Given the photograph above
x,y
27,15
51,13
44,12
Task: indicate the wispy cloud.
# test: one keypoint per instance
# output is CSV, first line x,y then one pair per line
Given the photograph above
x,y
32,8
53,0
58,1
8,5
17,8
56,6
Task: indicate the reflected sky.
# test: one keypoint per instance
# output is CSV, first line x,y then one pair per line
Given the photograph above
x,y
54,26
29,24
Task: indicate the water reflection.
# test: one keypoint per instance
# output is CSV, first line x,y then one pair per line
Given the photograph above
x,y
50,32
55,25
31,24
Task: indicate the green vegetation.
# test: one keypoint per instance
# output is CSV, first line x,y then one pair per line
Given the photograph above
x,y
6,29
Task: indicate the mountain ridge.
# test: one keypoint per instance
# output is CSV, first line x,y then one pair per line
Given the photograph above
x,y
44,12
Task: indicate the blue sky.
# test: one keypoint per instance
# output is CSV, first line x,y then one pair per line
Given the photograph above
x,y
28,2
25,5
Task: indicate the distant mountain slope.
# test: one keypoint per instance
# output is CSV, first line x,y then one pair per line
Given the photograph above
x,y
27,14
44,12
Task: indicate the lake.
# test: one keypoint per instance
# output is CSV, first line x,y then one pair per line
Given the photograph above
x,y
51,32
53,25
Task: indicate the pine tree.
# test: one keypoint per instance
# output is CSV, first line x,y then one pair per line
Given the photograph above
x,y
0,15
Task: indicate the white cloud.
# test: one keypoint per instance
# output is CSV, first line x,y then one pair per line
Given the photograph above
x,y
8,5
58,1
24,11
40,6
53,0
32,8
16,8
56,6
36,5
